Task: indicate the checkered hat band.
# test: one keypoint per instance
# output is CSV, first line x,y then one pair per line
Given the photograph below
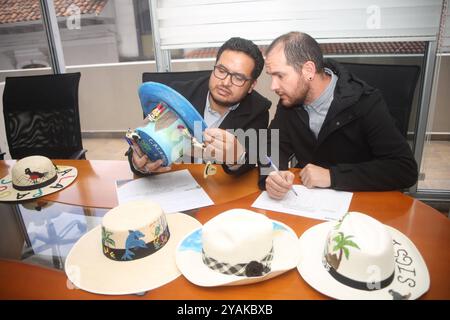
x,y
251,269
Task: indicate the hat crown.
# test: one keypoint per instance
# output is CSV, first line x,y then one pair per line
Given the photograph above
x,y
131,216
33,171
360,248
237,236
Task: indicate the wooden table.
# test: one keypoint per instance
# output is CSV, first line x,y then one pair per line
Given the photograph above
x,y
427,228
95,185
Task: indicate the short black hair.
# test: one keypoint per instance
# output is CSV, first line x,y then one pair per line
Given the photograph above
x,y
299,48
247,47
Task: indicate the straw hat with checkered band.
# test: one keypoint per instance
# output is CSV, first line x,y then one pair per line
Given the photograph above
x,y
237,247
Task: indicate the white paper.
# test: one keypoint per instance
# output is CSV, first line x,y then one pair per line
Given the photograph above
x,y
322,204
174,191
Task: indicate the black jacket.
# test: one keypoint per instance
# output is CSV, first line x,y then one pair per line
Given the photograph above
x,y
358,142
252,113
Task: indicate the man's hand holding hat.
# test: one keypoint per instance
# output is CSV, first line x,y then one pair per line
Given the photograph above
x,y
222,146
142,163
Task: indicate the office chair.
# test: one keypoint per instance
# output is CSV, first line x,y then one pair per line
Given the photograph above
x,y
41,116
397,84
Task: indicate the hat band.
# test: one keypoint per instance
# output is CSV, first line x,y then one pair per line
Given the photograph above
x,y
251,269
151,147
36,185
139,249
367,286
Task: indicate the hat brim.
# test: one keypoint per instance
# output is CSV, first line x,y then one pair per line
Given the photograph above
x,y
88,269
189,259
411,279
151,93
66,175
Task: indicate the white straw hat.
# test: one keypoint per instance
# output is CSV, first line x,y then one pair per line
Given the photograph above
x,y
237,247
33,177
361,258
133,251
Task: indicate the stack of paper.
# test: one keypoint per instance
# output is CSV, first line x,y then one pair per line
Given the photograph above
x,y
322,204
174,191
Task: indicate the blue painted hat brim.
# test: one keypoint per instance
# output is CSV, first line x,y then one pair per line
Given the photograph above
x,y
151,93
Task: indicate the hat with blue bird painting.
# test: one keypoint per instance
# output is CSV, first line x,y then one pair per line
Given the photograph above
x,y
131,252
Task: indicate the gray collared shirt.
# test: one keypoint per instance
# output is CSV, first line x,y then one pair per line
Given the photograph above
x,y
212,118
318,109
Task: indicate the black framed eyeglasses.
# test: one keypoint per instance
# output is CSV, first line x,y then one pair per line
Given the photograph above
x,y
236,78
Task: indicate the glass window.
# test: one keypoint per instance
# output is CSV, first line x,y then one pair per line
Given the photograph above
x,y
98,32
391,53
23,44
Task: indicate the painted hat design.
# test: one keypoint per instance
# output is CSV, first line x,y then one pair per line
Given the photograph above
x,y
133,251
172,121
33,177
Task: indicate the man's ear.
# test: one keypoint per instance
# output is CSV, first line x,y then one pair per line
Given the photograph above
x,y
252,86
309,70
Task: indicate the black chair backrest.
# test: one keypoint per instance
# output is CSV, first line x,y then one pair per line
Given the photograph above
x,y
397,84
168,78
41,115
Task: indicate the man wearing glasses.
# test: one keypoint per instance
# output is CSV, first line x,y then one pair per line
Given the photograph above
x,y
226,100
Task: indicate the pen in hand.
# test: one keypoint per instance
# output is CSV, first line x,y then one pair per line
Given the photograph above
x,y
273,166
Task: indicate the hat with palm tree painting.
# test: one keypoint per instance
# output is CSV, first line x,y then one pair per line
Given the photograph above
x,y
361,258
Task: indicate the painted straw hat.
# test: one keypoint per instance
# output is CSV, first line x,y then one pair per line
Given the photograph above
x,y
33,177
172,121
133,251
237,247
361,258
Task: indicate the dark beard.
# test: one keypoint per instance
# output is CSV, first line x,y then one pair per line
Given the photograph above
x,y
221,103
300,99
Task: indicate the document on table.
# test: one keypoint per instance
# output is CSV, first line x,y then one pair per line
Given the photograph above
x,y
174,191
322,204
